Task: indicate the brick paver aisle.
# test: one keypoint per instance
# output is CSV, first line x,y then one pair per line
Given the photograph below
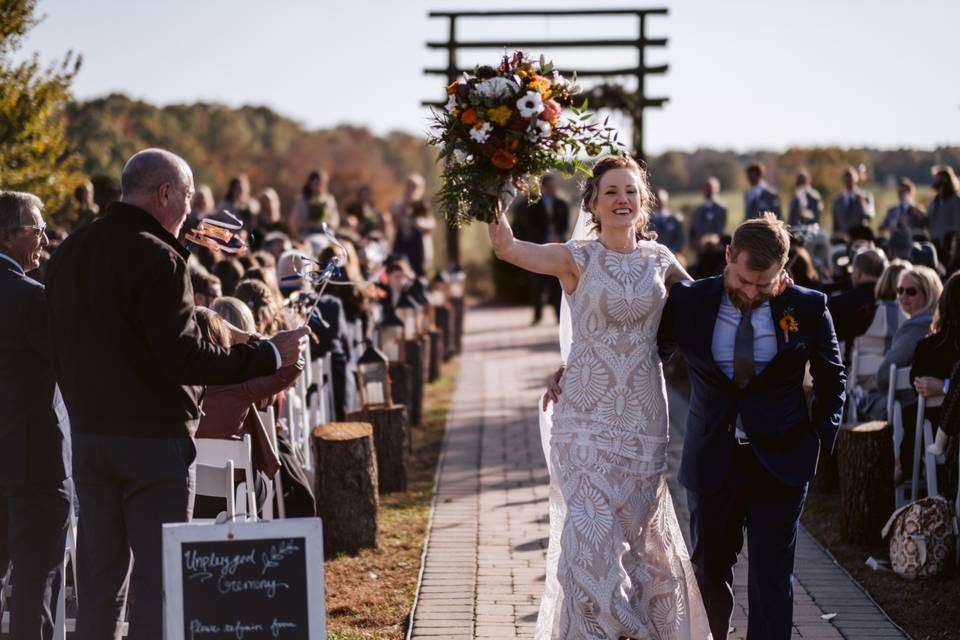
x,y
484,563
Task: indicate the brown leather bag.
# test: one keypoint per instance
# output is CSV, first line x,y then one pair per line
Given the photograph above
x,y
265,457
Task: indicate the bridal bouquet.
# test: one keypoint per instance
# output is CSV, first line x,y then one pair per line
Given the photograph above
x,y
503,126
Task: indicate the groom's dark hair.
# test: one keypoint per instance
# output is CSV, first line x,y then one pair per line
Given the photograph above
x,y
766,241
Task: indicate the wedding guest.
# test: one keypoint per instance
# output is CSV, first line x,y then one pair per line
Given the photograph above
x,y
853,310
936,357
888,317
34,490
236,312
364,217
128,357
943,212
237,200
906,215
806,203
227,407
414,237
710,218
230,272
801,268
276,243
542,222
759,198
853,207
667,224
268,219
315,206
267,312
85,205
206,287
918,292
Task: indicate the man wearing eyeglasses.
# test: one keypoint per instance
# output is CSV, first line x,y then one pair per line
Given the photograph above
x,y
33,475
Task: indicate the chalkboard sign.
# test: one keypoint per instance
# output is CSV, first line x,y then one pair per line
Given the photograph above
x,y
247,580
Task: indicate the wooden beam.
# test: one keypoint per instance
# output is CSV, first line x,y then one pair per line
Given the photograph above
x,y
547,44
567,73
570,12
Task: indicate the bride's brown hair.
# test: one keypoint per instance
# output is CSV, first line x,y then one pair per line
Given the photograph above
x,y
591,190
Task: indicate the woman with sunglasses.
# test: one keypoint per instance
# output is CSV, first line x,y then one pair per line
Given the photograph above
x,y
918,291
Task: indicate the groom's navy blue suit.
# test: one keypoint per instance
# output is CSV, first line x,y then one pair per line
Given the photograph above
x,y
759,485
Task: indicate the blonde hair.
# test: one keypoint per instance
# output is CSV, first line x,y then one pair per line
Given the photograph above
x,y
236,312
930,286
591,191
887,284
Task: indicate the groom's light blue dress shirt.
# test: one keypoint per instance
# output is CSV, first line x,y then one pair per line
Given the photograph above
x,y
725,337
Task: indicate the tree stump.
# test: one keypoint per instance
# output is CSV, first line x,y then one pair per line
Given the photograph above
x,y
444,319
346,486
400,388
436,355
865,466
390,443
459,310
414,359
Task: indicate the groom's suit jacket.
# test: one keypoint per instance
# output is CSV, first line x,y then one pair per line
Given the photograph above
x,y
785,434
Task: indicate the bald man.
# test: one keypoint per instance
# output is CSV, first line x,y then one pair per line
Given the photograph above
x,y
130,364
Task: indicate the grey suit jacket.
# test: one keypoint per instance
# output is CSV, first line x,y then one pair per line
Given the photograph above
x,y
706,219
944,216
814,205
853,213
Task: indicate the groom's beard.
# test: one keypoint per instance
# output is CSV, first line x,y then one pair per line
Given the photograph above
x,y
738,300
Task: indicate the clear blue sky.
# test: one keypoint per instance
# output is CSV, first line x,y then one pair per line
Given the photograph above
x,y
744,74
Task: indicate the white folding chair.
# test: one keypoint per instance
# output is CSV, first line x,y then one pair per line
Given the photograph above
x,y
274,489
217,482
899,381
922,439
215,452
61,624
862,366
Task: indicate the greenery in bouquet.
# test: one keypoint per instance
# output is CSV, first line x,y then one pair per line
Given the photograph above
x,y
504,127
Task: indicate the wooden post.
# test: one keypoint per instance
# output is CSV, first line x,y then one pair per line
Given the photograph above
x,y
390,442
445,324
436,354
346,486
414,359
400,386
459,309
424,341
865,465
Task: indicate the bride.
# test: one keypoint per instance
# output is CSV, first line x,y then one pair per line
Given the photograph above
x,y
617,565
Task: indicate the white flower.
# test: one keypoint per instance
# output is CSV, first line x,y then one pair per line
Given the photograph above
x,y
544,128
461,157
480,134
451,102
496,88
530,105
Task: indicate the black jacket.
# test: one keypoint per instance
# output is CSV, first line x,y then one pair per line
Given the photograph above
x,y
31,442
537,224
127,344
852,311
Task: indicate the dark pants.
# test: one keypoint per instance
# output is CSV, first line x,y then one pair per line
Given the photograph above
x,y
544,287
128,488
770,510
34,517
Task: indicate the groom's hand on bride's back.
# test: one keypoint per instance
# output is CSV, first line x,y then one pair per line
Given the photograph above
x,y
553,388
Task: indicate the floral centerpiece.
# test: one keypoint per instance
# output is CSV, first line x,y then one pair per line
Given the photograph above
x,y
504,126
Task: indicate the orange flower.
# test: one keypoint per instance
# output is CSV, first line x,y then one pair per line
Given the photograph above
x,y
503,159
514,144
788,324
539,83
452,88
551,111
469,117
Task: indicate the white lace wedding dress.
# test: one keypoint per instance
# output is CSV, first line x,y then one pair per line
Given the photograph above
x,y
617,565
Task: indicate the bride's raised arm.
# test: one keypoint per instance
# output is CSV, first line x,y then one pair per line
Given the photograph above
x,y
547,259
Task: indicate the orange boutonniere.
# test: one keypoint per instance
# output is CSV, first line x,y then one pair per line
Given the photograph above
x,y
788,324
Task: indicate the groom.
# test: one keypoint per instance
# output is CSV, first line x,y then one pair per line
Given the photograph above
x,y
752,443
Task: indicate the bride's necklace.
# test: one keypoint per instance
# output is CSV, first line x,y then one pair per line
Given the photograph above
x,y
626,249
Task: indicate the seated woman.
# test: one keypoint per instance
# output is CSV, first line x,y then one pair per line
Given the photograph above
x,y
886,320
227,408
918,291
936,356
